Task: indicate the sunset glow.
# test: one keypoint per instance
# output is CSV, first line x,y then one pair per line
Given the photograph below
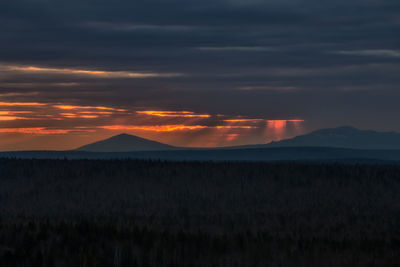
x,y
170,126
234,127
69,107
36,131
155,128
16,104
8,118
184,114
74,115
244,120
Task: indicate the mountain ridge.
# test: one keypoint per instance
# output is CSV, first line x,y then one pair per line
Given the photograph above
x,y
340,137
125,143
343,137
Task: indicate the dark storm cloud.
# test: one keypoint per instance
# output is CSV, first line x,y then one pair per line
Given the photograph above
x,y
337,57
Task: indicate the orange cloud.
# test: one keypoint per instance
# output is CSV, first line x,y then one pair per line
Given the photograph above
x,y
234,127
45,130
72,107
12,112
35,131
154,128
15,104
244,120
68,115
9,118
95,73
170,127
10,115
53,112
74,115
96,112
163,113
88,116
86,112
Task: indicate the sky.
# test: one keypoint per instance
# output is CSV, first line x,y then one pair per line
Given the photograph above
x,y
195,73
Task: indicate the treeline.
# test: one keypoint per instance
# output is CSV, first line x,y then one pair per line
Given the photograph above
x,y
155,213
94,243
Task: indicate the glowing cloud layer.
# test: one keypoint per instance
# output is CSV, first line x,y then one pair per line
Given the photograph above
x,y
10,111
25,104
163,113
154,128
72,107
243,120
36,131
83,72
181,128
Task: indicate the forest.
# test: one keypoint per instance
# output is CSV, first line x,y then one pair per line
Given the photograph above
x,y
164,213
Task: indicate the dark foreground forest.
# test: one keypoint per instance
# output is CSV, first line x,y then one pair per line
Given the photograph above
x,y
154,213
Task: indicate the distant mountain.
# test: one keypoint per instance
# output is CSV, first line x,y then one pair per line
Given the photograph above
x,y
125,143
343,137
339,144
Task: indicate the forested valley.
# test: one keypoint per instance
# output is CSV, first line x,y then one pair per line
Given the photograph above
x,y
160,213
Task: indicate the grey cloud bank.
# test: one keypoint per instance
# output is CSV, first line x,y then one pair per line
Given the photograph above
x,y
342,57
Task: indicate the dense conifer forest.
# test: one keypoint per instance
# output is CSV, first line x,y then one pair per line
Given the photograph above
x,y
158,213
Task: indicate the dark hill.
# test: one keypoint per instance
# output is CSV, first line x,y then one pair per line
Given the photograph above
x,y
125,143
